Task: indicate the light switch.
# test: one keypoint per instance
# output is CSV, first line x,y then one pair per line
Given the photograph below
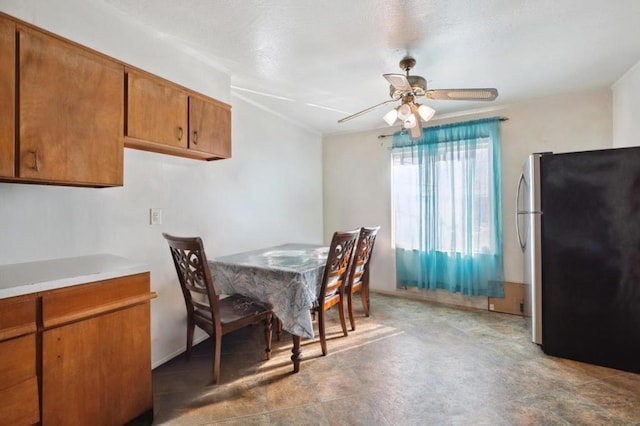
x,y
155,216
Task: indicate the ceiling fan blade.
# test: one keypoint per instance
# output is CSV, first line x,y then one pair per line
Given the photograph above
x,y
483,94
399,81
416,131
364,111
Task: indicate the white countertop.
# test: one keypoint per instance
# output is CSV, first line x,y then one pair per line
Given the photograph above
x,y
31,277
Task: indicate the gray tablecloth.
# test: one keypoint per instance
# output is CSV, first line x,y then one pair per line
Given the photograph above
x,y
288,277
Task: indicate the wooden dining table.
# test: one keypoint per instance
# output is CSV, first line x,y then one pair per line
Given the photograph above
x,y
288,277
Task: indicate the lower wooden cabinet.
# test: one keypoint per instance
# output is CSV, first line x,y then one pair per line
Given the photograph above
x,y
19,400
97,371
19,383
88,361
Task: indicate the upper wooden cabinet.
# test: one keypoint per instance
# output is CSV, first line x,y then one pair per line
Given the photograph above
x,y
67,112
166,118
209,127
71,113
7,97
156,112
61,110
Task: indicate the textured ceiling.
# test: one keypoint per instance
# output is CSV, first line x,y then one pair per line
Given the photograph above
x,y
315,62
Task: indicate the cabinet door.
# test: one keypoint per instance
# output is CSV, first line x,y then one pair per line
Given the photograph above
x,y
7,97
98,371
18,360
71,112
18,381
156,112
210,127
95,349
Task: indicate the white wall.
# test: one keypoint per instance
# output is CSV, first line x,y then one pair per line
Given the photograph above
x,y
269,193
357,169
626,109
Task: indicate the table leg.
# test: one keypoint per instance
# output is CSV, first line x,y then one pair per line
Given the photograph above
x,y
296,353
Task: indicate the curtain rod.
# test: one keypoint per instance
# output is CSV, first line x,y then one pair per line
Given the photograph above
x,y
386,136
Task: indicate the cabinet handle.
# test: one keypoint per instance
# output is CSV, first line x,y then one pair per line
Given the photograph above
x,y
195,137
180,133
36,160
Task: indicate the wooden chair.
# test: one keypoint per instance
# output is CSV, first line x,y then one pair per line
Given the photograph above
x,y
359,276
205,309
336,272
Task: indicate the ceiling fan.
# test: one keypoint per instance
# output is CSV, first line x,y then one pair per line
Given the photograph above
x,y
406,88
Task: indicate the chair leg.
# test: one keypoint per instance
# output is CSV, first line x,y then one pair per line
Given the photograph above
x,y
365,297
352,319
323,337
190,329
343,322
278,327
217,341
365,301
268,323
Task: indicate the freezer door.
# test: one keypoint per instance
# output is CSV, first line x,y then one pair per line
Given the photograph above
x,y
528,223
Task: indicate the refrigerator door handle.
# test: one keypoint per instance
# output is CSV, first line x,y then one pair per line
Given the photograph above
x,y
523,244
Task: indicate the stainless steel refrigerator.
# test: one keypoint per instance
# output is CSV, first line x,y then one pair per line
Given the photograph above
x,y
578,217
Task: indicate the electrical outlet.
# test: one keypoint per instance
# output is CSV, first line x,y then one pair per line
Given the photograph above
x,y
155,216
492,307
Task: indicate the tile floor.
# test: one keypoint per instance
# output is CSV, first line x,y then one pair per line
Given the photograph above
x,y
410,363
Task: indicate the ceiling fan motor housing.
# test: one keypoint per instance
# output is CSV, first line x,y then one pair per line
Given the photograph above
x,y
418,86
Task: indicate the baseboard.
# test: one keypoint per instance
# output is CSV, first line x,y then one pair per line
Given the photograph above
x,y
439,296
196,339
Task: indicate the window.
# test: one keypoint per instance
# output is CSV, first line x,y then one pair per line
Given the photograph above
x,y
453,202
447,208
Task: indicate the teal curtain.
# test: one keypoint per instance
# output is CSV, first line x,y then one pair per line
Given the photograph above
x,y
447,208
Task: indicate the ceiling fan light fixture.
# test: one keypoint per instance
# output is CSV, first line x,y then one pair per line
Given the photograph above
x,y
410,122
426,112
391,117
404,112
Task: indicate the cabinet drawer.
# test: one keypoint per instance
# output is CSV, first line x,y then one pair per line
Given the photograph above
x,y
75,303
17,360
17,316
20,404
